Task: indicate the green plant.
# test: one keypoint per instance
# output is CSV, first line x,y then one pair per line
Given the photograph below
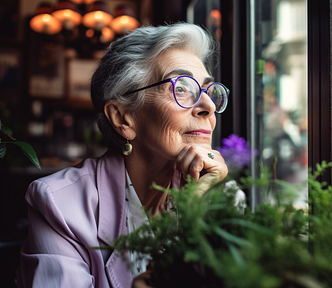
x,y
209,242
6,138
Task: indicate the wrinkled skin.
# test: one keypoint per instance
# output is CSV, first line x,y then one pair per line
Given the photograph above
x,y
166,136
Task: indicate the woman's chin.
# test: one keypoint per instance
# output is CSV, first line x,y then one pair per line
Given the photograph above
x,y
203,144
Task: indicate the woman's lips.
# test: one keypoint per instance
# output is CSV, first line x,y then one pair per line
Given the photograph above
x,y
200,132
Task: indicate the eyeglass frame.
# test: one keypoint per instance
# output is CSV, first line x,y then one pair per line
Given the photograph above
x,y
202,89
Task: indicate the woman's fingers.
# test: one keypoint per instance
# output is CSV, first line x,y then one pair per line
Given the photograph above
x,y
196,167
201,164
185,160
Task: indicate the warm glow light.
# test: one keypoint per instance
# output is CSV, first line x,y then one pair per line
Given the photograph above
x,y
89,33
98,15
106,31
67,13
107,35
97,19
215,14
46,18
218,33
83,1
124,19
124,24
215,18
45,23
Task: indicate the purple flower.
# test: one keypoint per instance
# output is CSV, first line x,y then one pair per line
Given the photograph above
x,y
236,152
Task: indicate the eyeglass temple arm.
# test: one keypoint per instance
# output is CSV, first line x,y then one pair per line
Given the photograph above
x,y
150,86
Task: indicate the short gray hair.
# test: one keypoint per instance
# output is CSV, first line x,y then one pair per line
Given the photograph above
x,y
129,64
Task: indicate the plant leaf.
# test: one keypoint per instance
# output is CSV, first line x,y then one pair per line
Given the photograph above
x,y
6,130
5,135
3,150
248,224
29,152
236,255
231,238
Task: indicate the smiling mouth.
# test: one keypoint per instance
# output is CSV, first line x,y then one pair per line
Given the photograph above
x,y
201,133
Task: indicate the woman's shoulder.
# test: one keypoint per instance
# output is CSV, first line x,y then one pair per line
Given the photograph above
x,y
70,175
67,201
74,184
62,185
66,196
65,177
77,193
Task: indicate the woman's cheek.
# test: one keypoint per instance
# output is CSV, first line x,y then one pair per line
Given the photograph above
x,y
213,122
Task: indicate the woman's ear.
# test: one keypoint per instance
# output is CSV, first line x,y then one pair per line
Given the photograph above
x,y
120,118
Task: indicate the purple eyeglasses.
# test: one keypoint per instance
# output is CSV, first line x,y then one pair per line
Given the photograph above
x,y
187,92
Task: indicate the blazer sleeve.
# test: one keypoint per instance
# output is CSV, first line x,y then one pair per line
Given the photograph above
x,y
51,256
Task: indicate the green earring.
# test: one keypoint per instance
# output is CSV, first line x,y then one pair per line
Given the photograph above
x,y
127,148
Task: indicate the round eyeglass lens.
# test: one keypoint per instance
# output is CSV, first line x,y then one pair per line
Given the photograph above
x,y
186,91
218,95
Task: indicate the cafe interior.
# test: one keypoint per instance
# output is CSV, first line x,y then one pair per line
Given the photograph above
x,y
274,57
48,52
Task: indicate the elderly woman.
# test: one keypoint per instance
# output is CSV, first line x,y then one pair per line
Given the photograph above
x,y
156,105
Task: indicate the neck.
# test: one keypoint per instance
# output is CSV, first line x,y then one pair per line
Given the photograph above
x,y
143,174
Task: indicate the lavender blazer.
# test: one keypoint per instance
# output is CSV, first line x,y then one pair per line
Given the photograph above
x,y
76,208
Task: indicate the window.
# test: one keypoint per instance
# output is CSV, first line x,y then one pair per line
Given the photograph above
x,y
278,94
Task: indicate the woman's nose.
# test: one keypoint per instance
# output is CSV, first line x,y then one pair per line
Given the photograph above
x,y
205,106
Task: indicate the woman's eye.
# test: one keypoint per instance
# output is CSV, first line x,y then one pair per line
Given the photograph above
x,y
179,90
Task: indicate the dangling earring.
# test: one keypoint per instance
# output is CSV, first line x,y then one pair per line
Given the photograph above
x,y
127,148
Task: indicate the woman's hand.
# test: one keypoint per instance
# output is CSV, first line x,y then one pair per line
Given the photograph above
x,y
142,280
196,162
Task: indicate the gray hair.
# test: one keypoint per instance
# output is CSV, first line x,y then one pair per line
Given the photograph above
x,y
129,64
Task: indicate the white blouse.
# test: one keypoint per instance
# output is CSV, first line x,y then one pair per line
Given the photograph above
x,y
136,217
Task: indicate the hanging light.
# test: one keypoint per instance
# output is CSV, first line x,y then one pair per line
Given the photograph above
x,y
44,22
67,12
97,16
124,20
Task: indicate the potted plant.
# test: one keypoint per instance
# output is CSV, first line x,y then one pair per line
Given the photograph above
x,y
209,242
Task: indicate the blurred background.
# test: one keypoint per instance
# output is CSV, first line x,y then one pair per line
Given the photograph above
x,y
49,50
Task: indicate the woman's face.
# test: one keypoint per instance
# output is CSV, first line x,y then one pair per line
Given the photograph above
x,y
163,128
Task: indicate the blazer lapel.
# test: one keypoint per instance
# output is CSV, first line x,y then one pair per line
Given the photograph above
x,y
111,185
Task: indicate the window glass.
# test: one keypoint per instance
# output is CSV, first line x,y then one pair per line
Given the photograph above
x,y
278,73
